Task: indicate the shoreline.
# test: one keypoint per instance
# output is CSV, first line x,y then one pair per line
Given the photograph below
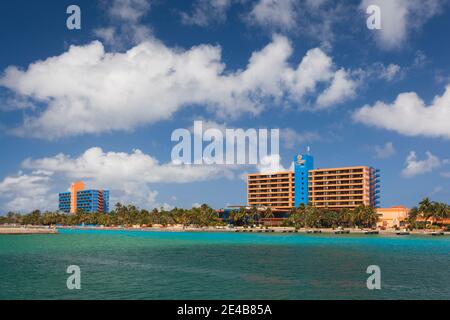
x,y
24,230
29,230
268,230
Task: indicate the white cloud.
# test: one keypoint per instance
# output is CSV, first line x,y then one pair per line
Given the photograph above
x,y
107,34
26,192
400,18
139,194
205,12
294,140
129,10
409,115
341,88
127,26
210,124
390,72
117,168
280,14
386,151
150,82
379,71
320,19
311,18
315,67
314,19
416,167
129,176
271,164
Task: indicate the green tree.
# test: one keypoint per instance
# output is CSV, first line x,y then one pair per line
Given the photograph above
x,y
364,216
426,208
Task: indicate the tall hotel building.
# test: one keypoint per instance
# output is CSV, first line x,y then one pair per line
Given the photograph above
x,y
337,188
87,200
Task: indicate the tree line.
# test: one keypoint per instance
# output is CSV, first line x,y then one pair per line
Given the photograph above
x,y
198,216
427,212
122,215
313,217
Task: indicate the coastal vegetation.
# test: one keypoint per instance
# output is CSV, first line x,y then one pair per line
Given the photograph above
x,y
121,216
312,217
427,214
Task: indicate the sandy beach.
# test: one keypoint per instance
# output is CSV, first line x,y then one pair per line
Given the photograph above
x,y
17,230
27,230
179,228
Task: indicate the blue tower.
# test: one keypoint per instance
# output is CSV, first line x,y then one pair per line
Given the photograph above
x,y
302,165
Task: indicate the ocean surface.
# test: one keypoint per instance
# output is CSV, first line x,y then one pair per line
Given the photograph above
x,y
168,265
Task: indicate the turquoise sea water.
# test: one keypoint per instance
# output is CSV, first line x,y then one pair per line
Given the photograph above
x,y
168,265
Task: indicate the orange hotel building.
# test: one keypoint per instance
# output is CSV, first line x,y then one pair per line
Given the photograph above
x,y
337,188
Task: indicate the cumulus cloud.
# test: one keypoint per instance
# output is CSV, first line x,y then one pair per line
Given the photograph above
x,y
128,10
210,124
26,192
271,164
205,12
130,177
126,27
117,168
275,13
400,18
416,167
315,19
385,151
341,88
150,82
409,115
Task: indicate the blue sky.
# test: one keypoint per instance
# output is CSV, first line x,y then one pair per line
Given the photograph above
x,y
99,104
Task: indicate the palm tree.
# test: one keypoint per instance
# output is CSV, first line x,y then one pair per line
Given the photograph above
x,y
371,216
232,216
345,218
426,208
425,205
296,218
364,216
242,215
238,216
13,217
440,211
312,217
414,213
254,214
268,214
